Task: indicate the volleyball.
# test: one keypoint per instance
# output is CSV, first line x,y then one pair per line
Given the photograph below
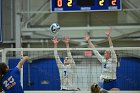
x,y
54,28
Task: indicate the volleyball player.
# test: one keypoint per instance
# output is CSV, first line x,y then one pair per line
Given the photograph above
x,y
109,60
10,78
67,69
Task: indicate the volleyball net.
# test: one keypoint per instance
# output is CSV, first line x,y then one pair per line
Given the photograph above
x,y
42,72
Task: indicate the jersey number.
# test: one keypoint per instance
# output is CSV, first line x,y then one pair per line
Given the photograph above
x,y
65,73
9,81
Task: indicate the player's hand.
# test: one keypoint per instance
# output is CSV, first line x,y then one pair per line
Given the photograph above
x,y
55,40
26,58
66,40
87,37
108,32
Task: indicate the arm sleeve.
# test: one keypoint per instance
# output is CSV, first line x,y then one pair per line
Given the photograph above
x,y
72,62
57,58
113,55
99,57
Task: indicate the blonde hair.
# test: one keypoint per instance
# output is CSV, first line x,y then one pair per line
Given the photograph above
x,y
108,50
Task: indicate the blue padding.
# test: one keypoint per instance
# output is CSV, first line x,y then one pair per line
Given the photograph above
x,y
129,74
46,69
44,74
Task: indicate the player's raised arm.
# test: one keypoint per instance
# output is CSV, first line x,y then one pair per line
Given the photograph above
x,y
98,55
57,58
109,38
113,54
22,61
87,38
66,41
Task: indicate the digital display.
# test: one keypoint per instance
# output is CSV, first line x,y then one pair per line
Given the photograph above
x,y
85,2
85,5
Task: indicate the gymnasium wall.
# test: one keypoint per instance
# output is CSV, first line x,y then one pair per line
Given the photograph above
x,y
128,73
43,74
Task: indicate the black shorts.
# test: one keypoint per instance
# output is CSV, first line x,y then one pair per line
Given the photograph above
x,y
69,90
109,80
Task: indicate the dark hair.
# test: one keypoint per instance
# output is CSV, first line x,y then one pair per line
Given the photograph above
x,y
95,88
3,68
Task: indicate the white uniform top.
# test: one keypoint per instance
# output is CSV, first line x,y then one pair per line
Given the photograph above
x,y
109,70
66,72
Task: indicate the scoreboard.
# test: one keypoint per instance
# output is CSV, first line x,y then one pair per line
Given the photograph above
x,y
85,5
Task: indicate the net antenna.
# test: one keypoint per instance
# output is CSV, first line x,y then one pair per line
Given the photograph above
x,y
21,54
30,61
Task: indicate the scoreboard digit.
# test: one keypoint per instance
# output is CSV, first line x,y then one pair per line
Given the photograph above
x,y
85,5
113,2
101,2
69,3
59,3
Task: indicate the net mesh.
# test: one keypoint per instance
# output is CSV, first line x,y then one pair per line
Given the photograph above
x,y
88,68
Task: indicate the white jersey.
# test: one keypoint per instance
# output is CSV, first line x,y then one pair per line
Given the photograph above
x,y
67,72
109,70
67,77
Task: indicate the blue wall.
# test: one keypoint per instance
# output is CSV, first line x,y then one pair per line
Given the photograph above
x,y
129,74
40,70
46,69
